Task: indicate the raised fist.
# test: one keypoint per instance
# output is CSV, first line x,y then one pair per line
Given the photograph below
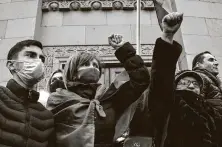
x,y
171,22
116,41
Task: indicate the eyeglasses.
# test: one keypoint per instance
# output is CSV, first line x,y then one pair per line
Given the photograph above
x,y
188,82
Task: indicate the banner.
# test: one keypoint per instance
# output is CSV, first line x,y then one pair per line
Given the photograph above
x,y
162,7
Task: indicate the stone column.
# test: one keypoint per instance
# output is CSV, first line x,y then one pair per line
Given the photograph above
x,y
19,20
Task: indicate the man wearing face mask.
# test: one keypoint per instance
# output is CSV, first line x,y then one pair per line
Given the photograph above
x,y
24,122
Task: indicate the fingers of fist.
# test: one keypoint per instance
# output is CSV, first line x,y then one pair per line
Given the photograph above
x,y
115,40
173,18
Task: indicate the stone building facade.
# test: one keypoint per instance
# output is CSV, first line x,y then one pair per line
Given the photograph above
x,y
68,27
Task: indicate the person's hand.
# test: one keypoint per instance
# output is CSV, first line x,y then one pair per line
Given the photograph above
x,y
116,41
170,24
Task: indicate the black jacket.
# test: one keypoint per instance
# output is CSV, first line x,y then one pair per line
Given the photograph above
x,y
126,94
24,122
212,93
154,105
191,122
212,88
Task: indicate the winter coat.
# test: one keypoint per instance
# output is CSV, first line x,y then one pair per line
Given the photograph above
x,y
191,122
213,95
82,122
154,104
212,89
24,122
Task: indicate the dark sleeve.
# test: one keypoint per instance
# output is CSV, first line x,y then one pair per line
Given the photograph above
x,y
138,74
214,108
161,94
52,140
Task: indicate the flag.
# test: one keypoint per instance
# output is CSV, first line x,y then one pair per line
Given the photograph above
x,y
162,7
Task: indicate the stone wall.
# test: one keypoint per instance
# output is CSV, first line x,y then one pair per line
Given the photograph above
x,y
67,32
93,27
201,28
23,19
19,20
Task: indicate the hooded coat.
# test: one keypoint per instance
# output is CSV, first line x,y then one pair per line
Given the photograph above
x,y
85,122
193,121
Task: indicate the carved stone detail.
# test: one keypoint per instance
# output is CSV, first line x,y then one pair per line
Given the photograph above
x,y
96,5
75,6
55,5
59,54
117,5
99,50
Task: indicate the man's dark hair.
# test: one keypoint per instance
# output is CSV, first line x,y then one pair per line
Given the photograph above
x,y
13,52
199,58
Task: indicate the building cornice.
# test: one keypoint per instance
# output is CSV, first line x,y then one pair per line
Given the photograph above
x,y
105,52
88,5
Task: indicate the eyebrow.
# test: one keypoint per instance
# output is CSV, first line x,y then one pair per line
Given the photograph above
x,y
30,52
212,59
41,56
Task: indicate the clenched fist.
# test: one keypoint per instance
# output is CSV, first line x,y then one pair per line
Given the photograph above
x,y
116,41
170,24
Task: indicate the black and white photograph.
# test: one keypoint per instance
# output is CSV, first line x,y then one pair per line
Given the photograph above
x,y
110,73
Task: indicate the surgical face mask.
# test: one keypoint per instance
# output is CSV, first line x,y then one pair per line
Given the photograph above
x,y
88,75
31,72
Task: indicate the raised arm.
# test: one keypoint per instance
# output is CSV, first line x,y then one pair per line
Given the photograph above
x,y
139,77
165,56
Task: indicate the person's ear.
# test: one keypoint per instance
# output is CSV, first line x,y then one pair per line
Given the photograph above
x,y
10,65
198,64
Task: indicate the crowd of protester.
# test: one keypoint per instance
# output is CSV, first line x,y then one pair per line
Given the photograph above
x,y
139,109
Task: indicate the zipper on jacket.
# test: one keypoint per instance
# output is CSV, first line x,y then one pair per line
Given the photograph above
x,y
30,94
27,121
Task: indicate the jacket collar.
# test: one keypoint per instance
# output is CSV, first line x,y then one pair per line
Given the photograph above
x,y
84,90
21,92
210,75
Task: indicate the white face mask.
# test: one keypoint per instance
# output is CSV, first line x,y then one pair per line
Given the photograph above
x,y
31,72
